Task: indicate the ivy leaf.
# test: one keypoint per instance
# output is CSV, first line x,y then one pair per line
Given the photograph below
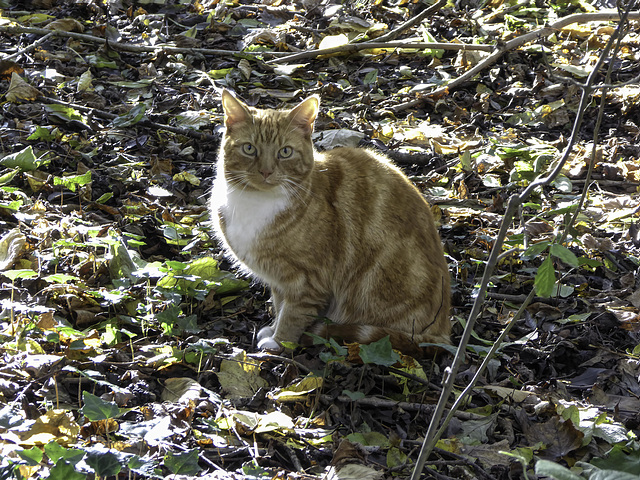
x,y
379,353
104,463
95,408
185,463
545,278
65,471
55,452
33,456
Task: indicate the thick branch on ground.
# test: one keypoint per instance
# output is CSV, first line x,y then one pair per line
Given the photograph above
x,y
357,47
604,16
128,47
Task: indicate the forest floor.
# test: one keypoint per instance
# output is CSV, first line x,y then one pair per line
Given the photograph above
x,y
127,345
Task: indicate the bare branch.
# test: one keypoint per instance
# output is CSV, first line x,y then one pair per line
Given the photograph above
x,y
603,16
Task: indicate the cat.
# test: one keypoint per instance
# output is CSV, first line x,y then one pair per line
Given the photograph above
x,y
341,234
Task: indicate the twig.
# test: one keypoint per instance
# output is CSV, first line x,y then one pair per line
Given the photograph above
x,y
356,47
604,16
434,430
393,34
30,47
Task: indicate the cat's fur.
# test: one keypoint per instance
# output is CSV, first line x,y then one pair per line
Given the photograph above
x,y
341,234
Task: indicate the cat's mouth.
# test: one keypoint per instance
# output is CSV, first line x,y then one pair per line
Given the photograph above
x,y
260,182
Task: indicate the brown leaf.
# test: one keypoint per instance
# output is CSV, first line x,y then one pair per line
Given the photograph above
x,y
66,25
20,91
559,437
7,67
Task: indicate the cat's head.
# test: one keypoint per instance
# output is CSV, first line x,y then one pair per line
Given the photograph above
x,y
266,149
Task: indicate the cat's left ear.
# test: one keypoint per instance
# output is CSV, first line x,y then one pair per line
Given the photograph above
x,y
305,113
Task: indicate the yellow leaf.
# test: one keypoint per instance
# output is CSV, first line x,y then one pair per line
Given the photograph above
x,y
332,41
240,377
57,425
298,390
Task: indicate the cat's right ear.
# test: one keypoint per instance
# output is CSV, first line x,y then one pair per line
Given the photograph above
x,y
235,111
305,113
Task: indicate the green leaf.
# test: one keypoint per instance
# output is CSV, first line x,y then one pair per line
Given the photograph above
x,y
13,274
135,115
218,74
371,78
55,452
564,254
379,353
563,184
104,197
65,471
95,408
7,177
72,181
555,471
104,463
353,395
25,160
535,250
143,466
66,114
395,457
369,439
545,278
41,133
185,463
202,273
619,460
59,278
589,262
33,456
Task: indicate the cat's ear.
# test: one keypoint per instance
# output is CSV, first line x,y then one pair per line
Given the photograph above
x,y
305,113
234,110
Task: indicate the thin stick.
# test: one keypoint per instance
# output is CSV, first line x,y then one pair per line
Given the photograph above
x,y
393,34
30,47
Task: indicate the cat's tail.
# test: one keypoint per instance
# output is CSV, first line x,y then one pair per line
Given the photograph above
x,y
400,340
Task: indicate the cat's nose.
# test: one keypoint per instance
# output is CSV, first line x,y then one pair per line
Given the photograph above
x,y
266,173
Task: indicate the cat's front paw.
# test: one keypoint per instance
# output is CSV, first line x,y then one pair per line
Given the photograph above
x,y
265,332
269,344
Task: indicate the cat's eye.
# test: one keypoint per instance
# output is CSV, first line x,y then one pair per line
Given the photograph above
x,y
248,149
285,152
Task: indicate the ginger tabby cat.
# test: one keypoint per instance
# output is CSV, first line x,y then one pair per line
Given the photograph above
x,y
341,234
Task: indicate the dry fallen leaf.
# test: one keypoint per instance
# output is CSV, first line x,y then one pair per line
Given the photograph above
x,y
11,246
66,25
20,91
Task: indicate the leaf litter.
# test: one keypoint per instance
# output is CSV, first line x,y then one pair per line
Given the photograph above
x,y
127,337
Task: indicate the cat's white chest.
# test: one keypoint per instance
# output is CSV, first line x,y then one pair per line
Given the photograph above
x,y
246,214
